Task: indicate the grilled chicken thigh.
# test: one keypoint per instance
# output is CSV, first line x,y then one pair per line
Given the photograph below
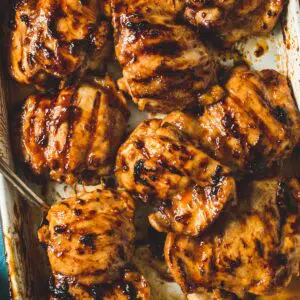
x,y
253,248
193,210
185,161
90,240
252,123
233,20
74,136
53,41
159,164
164,65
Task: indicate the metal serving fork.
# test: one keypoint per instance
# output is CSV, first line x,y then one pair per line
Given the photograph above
x,y
21,186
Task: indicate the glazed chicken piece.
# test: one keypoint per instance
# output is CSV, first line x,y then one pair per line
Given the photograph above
x,y
75,135
54,41
233,20
90,240
193,210
160,165
165,66
131,285
253,248
251,124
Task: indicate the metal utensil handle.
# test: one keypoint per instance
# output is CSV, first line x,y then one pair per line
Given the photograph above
x,y
21,186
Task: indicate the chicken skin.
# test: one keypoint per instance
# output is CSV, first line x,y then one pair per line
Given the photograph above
x,y
188,188
185,162
53,42
193,210
251,124
131,285
75,135
233,20
90,240
253,248
164,65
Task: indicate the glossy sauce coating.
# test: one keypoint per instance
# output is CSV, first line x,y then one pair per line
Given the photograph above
x,y
53,42
233,20
164,64
74,136
90,240
188,188
249,126
254,248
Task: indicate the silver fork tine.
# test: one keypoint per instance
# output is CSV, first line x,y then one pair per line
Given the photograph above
x,y
21,186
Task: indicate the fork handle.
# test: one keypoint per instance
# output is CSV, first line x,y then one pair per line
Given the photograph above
x,y
21,186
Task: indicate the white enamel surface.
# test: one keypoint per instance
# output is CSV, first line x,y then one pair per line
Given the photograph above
x,y
277,56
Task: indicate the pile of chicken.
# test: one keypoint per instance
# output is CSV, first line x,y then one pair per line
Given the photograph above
x,y
224,232
188,167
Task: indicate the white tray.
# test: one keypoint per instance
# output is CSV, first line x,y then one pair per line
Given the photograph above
x,y
27,262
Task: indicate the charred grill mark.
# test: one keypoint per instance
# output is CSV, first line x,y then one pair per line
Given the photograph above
x,y
44,138
259,247
256,119
169,72
72,118
81,201
170,168
267,105
233,264
183,219
280,114
218,175
139,169
167,48
143,28
183,150
230,124
60,228
88,240
141,146
56,14
92,127
25,19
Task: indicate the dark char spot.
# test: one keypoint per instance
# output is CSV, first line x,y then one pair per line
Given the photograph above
x,y
60,228
280,114
138,171
25,19
88,240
